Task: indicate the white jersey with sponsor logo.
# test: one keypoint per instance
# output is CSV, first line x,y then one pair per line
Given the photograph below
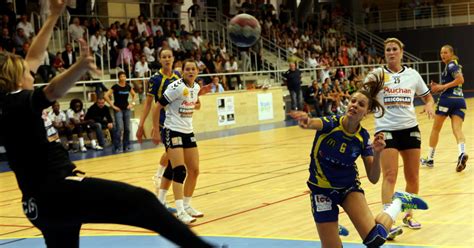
x,y
397,98
179,111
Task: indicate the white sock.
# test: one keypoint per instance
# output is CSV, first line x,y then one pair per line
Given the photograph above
x,y
461,148
179,206
394,209
81,142
162,195
160,171
386,205
431,153
93,143
186,201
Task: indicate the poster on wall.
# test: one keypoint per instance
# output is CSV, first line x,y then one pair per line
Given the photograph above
x,y
225,111
265,106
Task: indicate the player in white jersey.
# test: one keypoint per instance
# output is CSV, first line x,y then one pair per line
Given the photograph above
x,y
399,124
181,99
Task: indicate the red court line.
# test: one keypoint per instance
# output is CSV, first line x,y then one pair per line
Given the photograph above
x,y
230,215
251,209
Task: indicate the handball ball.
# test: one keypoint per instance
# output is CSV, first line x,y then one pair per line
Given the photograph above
x,y
244,30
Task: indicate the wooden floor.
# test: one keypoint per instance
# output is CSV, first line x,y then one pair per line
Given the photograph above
x,y
253,185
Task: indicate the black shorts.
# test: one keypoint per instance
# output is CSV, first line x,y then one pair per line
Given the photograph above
x,y
173,139
404,139
324,202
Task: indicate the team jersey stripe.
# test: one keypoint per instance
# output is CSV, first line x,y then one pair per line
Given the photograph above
x,y
426,93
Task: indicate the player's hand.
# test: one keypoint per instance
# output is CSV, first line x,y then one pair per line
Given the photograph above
x,y
205,89
429,110
302,118
57,6
155,136
379,142
86,60
436,87
140,134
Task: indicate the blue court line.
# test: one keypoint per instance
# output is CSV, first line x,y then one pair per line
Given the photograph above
x,y
157,241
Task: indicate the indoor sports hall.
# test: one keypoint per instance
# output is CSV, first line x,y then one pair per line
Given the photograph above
x,y
253,157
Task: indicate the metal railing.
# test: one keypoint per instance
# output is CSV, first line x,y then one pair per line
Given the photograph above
x,y
422,17
359,33
429,70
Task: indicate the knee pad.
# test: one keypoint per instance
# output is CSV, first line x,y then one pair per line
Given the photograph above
x,y
168,174
179,174
376,237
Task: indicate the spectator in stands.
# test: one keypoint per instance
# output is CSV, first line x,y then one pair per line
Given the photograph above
x,y
137,51
232,66
46,69
59,122
313,60
76,31
94,26
98,116
112,47
216,87
68,56
159,38
201,66
235,7
132,28
155,26
219,68
77,125
6,41
222,51
97,41
313,96
197,40
174,43
193,14
125,58
292,79
26,26
150,56
141,71
328,98
121,91
24,49
19,39
141,26
58,62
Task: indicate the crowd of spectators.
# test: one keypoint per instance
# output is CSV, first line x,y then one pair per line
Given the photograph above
x,y
132,46
320,43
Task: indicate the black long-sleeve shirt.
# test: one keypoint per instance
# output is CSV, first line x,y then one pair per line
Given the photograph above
x,y
99,115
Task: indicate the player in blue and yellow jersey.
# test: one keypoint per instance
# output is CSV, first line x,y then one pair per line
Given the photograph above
x,y
156,87
334,178
450,103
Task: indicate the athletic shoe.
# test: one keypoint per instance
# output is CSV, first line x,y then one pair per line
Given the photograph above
x,y
172,210
427,162
462,160
117,150
410,201
185,218
411,223
193,212
83,149
394,232
343,231
98,148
